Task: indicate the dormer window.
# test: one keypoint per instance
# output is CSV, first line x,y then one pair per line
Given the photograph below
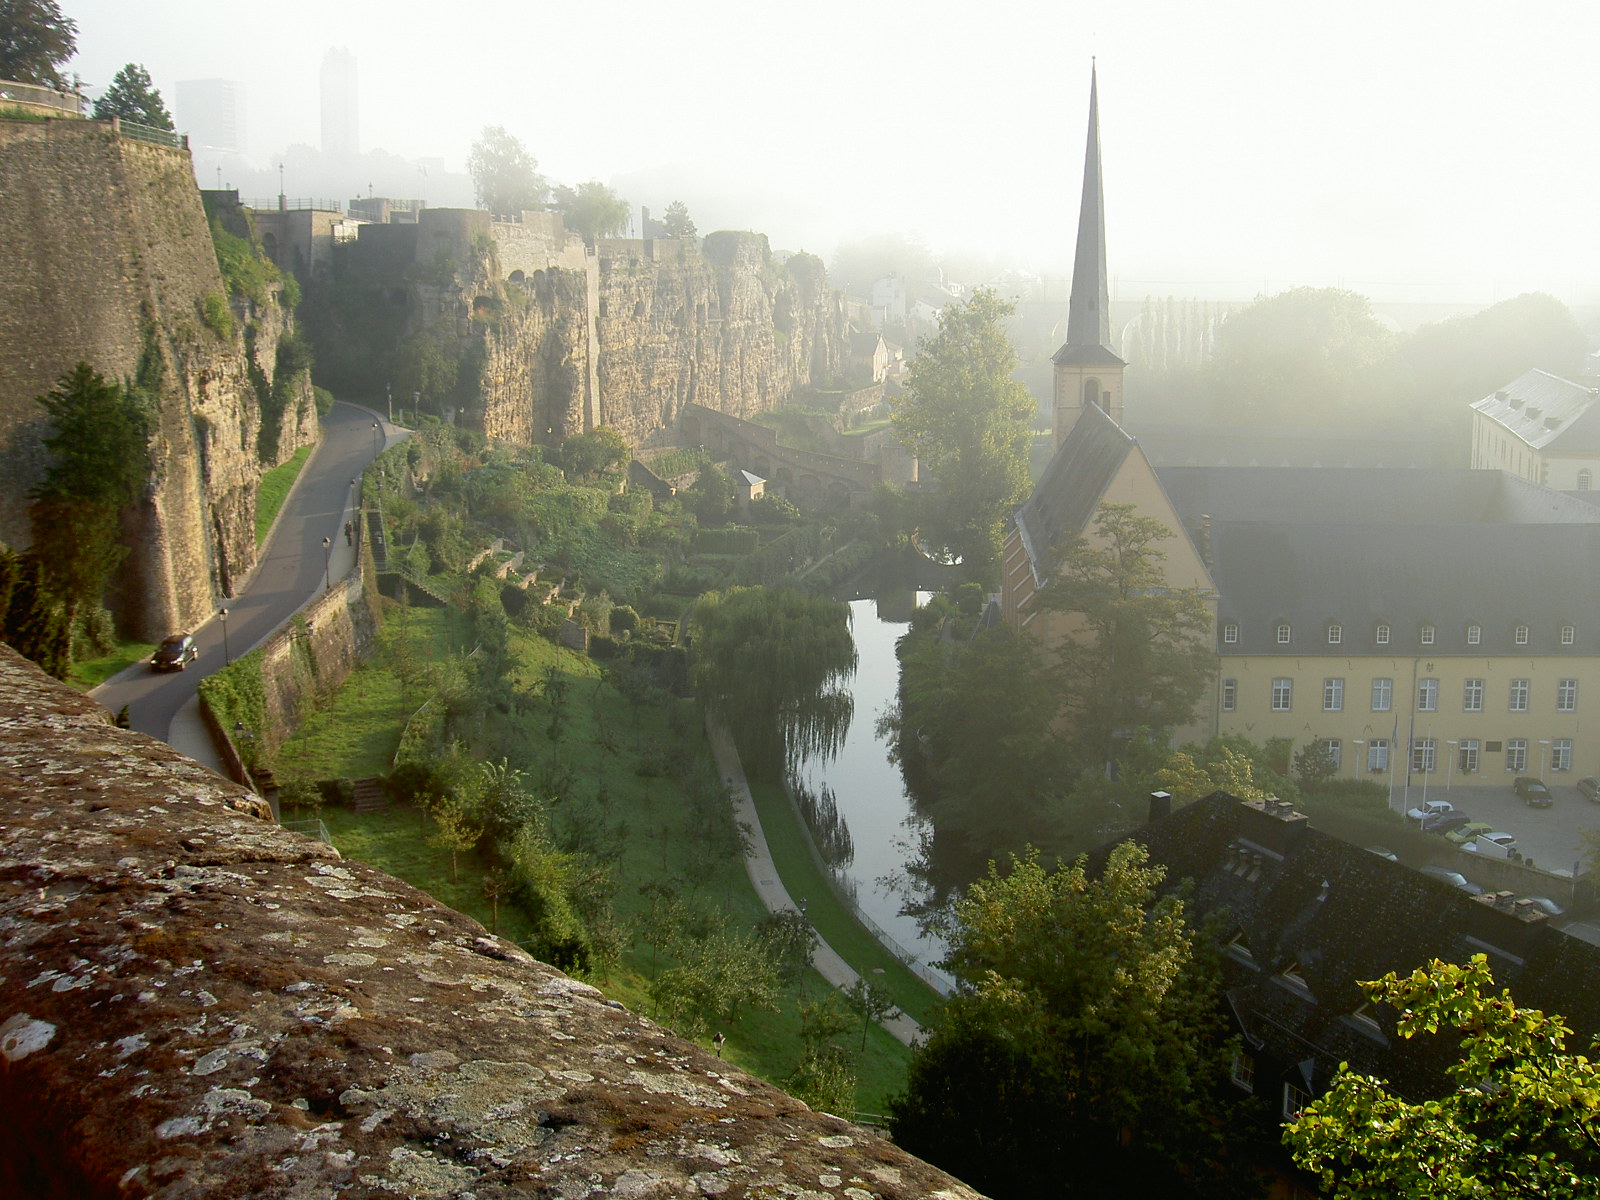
x,y
1283,633
1230,632
1520,635
1474,634
1363,1020
1290,977
1428,635
1335,634
1382,635
1568,635
1239,951
1295,1101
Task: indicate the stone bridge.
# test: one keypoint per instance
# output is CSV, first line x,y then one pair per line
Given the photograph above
x,y
809,480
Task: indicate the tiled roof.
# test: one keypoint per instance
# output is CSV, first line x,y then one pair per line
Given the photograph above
x,y
1296,897
1546,412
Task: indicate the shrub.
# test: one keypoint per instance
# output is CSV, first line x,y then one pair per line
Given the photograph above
x,y
217,315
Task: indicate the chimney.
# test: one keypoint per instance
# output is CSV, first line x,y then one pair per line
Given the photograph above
x,y
1160,806
1272,824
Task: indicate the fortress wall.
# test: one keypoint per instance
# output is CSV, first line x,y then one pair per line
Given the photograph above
x,y
195,1002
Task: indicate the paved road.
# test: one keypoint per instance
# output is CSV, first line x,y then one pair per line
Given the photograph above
x,y
291,570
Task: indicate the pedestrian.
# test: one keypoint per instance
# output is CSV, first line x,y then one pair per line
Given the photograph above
x,y
349,534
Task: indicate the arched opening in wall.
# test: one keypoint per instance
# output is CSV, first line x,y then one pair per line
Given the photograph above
x,y
807,491
484,307
838,495
516,277
1091,394
269,243
638,310
536,281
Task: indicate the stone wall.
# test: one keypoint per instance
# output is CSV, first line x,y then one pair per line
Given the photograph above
x,y
195,1002
106,257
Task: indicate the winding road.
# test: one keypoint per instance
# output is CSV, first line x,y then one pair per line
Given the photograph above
x,y
292,568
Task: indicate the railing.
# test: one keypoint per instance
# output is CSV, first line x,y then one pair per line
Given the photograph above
x,y
149,133
292,204
314,828
43,97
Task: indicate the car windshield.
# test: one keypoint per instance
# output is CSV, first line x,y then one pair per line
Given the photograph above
x,y
172,643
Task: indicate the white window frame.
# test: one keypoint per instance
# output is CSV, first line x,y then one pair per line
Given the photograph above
x,y
1520,635
1424,755
1516,755
1333,695
1429,633
1230,633
1382,635
1382,695
1378,754
1561,754
1517,697
1230,695
1335,634
1472,695
1566,695
1335,751
1569,634
1474,634
1242,1072
1282,694
1427,695
1467,761
1284,633
1295,1101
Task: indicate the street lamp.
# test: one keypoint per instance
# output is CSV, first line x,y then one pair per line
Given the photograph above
x,y
222,615
327,561
1544,746
388,391
1450,776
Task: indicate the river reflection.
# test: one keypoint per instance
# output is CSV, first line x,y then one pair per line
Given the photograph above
x,y
867,787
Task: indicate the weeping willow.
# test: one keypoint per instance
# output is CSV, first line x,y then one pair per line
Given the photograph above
x,y
770,663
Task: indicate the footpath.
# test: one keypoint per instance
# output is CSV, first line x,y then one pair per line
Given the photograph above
x,y
764,876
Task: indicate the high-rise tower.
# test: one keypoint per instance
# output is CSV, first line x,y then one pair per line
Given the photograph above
x,y
341,126
1087,370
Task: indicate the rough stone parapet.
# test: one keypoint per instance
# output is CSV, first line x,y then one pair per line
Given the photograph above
x,y
195,1002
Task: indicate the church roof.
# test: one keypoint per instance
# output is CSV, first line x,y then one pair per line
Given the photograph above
x,y
1546,412
1288,446
1070,490
1089,313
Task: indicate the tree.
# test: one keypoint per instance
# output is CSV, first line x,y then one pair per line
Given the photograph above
x,y
505,176
133,97
676,221
1523,1120
35,42
969,422
592,209
769,663
1138,654
1084,1042
458,831
585,455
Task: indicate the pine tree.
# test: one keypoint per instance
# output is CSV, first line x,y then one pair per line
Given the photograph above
x,y
132,97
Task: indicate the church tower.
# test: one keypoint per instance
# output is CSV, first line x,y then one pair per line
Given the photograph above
x,y
1087,370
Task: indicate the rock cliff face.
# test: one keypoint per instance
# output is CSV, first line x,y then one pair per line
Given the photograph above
x,y
554,340
195,1002
106,257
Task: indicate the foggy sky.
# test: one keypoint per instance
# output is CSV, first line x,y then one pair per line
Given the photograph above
x,y
1407,150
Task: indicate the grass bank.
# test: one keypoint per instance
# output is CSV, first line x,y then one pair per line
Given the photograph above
x,y
273,490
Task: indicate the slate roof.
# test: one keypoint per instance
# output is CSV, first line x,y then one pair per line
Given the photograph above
x,y
1547,412
1251,446
1069,491
1089,308
1405,549
1296,897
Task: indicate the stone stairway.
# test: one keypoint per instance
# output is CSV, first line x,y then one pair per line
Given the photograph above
x,y
370,795
375,538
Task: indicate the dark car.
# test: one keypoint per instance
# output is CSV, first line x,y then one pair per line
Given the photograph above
x,y
174,654
1533,791
1445,822
1589,788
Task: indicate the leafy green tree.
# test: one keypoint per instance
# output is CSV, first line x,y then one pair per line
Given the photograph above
x,y
586,455
592,209
769,663
505,176
1139,654
1084,1045
969,422
1523,1119
825,1077
457,829
35,42
133,97
718,976
676,221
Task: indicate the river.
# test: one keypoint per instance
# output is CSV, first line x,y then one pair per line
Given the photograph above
x,y
867,787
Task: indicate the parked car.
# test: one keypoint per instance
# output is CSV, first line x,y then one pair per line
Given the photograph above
x,y
1433,808
1501,845
1383,852
1455,879
1546,905
175,653
1533,791
1445,822
1589,789
1465,833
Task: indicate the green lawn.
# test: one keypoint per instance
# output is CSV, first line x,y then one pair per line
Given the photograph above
x,y
91,673
644,785
273,490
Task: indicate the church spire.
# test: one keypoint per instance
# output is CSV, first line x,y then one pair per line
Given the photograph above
x,y
1089,318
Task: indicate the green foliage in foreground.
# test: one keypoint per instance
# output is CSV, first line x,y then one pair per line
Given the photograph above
x,y
1523,1120
274,490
